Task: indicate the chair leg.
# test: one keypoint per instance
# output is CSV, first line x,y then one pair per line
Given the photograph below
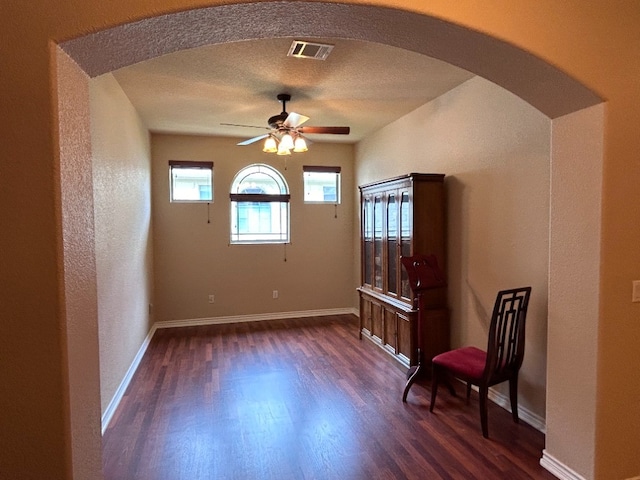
x,y
468,392
413,376
513,394
484,393
435,379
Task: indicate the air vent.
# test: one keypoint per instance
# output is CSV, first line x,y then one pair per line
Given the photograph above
x,y
302,49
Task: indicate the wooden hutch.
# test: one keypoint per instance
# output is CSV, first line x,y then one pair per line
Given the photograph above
x,y
402,216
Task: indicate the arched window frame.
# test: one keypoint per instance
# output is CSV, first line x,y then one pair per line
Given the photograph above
x,y
259,206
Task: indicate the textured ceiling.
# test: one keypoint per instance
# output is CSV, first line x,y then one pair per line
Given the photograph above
x,y
548,89
361,84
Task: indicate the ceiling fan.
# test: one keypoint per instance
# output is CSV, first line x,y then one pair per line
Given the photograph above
x,y
285,131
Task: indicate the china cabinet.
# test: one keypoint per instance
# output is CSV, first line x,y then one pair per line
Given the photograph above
x,y
402,216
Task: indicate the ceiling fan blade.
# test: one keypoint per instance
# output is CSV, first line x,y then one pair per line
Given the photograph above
x,y
254,139
247,126
332,130
294,119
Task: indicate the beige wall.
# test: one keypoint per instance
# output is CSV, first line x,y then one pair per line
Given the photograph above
x,y
123,248
193,258
592,42
576,174
76,218
495,150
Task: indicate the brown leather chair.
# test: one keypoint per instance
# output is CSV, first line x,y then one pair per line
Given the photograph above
x,y
500,362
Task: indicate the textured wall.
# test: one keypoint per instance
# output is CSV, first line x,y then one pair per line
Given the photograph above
x,y
592,42
193,258
79,267
495,150
123,248
573,285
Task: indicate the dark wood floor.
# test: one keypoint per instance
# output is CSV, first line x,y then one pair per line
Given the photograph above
x,y
299,399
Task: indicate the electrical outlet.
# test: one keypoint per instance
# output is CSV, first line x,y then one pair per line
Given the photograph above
x,y
635,294
212,298
275,294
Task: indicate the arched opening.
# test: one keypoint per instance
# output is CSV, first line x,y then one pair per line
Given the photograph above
x,y
104,51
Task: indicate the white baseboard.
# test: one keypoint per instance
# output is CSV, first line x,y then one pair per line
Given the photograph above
x,y
253,318
524,414
557,468
117,397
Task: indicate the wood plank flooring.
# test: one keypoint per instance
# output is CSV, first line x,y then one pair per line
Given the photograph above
x,y
299,399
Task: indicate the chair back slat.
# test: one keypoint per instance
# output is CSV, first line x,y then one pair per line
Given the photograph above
x,y
505,350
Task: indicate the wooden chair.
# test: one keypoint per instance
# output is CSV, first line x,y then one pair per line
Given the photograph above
x,y
424,274
501,361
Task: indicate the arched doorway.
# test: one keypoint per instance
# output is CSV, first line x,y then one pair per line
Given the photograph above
x,y
497,61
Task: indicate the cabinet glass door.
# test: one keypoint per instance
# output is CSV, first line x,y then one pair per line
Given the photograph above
x,y
405,240
377,242
392,244
367,232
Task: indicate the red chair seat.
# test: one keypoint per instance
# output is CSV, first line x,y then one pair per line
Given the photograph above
x,y
466,362
500,363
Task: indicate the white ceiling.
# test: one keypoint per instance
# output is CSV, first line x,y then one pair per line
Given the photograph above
x,y
361,84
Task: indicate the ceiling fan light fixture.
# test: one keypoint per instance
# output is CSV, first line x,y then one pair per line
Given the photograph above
x,y
270,145
300,145
286,131
282,150
286,141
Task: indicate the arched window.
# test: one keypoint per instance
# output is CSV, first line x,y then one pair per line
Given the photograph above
x,y
259,206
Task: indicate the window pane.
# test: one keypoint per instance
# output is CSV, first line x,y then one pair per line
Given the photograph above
x,y
377,242
259,179
392,244
205,192
191,184
256,222
405,240
322,187
259,206
367,213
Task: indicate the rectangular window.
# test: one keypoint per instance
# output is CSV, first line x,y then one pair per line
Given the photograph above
x,y
259,218
321,184
190,181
